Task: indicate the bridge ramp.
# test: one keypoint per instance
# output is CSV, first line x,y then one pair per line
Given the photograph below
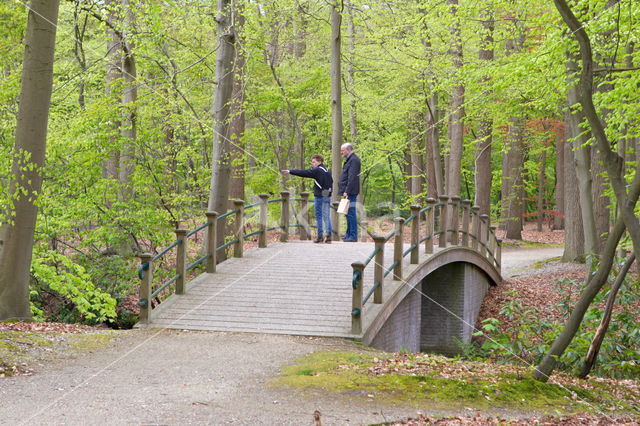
x,y
297,288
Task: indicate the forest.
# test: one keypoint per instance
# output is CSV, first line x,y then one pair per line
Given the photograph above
x,y
122,120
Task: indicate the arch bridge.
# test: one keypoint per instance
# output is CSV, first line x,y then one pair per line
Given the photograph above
x,y
418,288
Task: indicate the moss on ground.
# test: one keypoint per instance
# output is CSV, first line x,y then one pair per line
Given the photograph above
x,y
20,350
530,244
351,373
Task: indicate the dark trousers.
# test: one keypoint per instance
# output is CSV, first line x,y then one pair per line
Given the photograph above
x,y
352,221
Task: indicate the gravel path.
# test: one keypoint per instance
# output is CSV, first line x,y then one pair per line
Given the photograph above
x,y
515,260
177,377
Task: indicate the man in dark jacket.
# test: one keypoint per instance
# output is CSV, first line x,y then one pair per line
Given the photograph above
x,y
349,186
322,194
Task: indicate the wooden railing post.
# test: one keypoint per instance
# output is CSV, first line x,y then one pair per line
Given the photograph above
x,y
475,225
284,221
144,296
305,230
335,221
415,234
239,222
491,245
378,274
211,241
398,245
466,219
262,236
444,214
499,255
181,260
484,234
455,220
356,298
431,215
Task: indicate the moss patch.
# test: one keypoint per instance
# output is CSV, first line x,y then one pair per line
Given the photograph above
x,y
360,375
19,350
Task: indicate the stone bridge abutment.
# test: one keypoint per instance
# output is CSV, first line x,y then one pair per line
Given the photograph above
x,y
438,308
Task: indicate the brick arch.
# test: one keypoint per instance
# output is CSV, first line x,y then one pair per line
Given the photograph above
x,y
437,307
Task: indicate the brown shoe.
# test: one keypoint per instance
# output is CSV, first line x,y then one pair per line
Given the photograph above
x,y
318,240
328,240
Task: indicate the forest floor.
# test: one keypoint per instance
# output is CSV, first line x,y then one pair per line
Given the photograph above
x,y
61,373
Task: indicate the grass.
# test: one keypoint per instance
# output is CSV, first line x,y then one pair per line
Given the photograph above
x,y
19,350
440,386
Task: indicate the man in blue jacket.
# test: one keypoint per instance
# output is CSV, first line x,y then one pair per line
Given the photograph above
x,y
322,194
349,186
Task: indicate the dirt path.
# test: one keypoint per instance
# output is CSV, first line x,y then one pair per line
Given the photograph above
x,y
177,377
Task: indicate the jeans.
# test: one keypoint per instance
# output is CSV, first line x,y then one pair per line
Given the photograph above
x,y
323,215
352,221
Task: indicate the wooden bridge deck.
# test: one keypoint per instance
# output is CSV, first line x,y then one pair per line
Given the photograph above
x,y
288,288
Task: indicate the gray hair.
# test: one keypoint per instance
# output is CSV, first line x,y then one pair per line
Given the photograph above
x,y
347,146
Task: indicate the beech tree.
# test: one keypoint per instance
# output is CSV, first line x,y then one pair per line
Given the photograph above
x,y
222,100
626,198
336,99
17,233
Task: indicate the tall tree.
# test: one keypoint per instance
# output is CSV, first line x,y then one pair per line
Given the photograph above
x,y
582,156
113,74
336,99
220,160
456,124
513,160
483,173
626,199
236,186
573,228
16,235
512,181
129,101
558,219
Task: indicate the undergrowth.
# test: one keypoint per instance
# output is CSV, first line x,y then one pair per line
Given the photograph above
x,y
528,333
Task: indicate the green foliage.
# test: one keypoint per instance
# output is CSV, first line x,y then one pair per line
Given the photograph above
x,y
58,276
527,334
399,56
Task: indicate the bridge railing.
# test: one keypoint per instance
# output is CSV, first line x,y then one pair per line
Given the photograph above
x,y
459,224
242,215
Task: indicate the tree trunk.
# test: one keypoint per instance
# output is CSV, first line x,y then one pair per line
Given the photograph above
x,y
353,107
613,162
78,50
435,176
513,160
582,156
237,126
558,220
600,200
594,284
416,171
220,161
129,98
625,200
485,128
512,185
353,113
336,103
573,228
594,348
114,73
16,235
457,107
541,185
